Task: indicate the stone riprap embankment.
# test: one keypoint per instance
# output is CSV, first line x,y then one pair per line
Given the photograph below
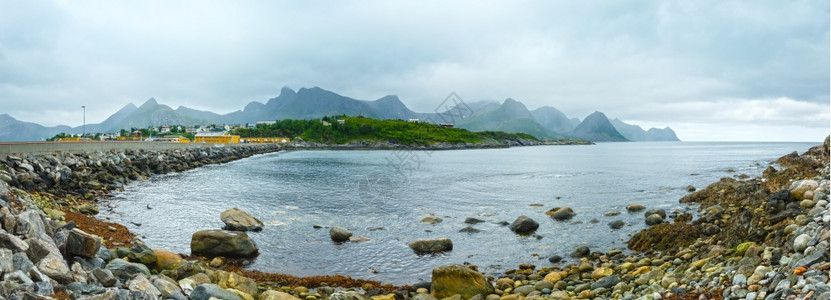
x,y
91,174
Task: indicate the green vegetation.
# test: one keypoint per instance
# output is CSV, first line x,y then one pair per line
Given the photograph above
x,y
342,129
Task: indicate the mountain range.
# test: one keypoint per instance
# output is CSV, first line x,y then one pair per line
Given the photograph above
x,y
308,103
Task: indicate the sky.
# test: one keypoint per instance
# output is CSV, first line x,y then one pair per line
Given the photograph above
x,y
711,70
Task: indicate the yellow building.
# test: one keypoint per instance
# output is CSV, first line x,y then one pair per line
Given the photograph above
x,y
261,140
69,139
173,139
216,138
129,138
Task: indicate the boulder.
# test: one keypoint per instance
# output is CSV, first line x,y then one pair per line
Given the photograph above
x,y
581,251
222,243
104,276
30,224
228,280
657,211
277,295
474,221
12,242
53,266
141,253
616,224
166,260
339,234
6,261
208,291
140,283
237,219
800,189
635,207
561,213
39,248
165,285
523,225
654,219
801,242
457,279
432,246
80,243
431,220
124,269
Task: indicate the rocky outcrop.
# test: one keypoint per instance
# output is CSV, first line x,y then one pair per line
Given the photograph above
x,y
237,219
561,213
222,243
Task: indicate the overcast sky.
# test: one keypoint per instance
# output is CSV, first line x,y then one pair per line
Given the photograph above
x,y
711,70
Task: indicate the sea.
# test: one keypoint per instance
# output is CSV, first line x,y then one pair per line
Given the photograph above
x,y
383,196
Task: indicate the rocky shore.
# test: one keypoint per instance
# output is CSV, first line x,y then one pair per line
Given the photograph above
x,y
373,145
753,238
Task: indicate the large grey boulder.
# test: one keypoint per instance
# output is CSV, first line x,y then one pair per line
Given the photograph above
x,y
237,219
222,243
123,269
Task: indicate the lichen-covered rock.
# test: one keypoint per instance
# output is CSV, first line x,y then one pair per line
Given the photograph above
x,y
276,295
212,291
803,189
222,243
457,279
235,281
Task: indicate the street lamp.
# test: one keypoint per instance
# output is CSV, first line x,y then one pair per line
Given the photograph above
x,y
84,131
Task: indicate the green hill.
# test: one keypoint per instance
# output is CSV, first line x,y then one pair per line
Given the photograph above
x,y
330,131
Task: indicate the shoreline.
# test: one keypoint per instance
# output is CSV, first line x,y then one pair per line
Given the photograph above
x,y
638,271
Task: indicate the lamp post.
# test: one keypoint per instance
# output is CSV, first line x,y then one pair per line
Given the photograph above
x,y
84,131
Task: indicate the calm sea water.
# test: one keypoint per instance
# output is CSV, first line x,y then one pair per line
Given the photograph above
x,y
383,195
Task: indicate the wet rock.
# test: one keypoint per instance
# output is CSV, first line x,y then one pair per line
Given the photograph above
x,y
654,219
635,207
581,251
431,220
141,253
616,224
237,219
339,234
457,279
222,243
469,229
605,282
690,188
561,213
473,221
432,246
523,225
660,212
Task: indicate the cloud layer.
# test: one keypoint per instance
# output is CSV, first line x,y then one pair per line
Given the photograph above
x,y
739,66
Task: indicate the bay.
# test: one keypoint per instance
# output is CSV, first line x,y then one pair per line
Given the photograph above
x,y
383,195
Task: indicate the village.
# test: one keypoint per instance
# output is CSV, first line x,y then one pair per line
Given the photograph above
x,y
213,134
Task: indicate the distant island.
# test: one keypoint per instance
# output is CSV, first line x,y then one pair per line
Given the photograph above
x,y
511,116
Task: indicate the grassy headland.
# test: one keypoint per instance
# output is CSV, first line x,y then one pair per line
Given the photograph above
x,y
342,130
